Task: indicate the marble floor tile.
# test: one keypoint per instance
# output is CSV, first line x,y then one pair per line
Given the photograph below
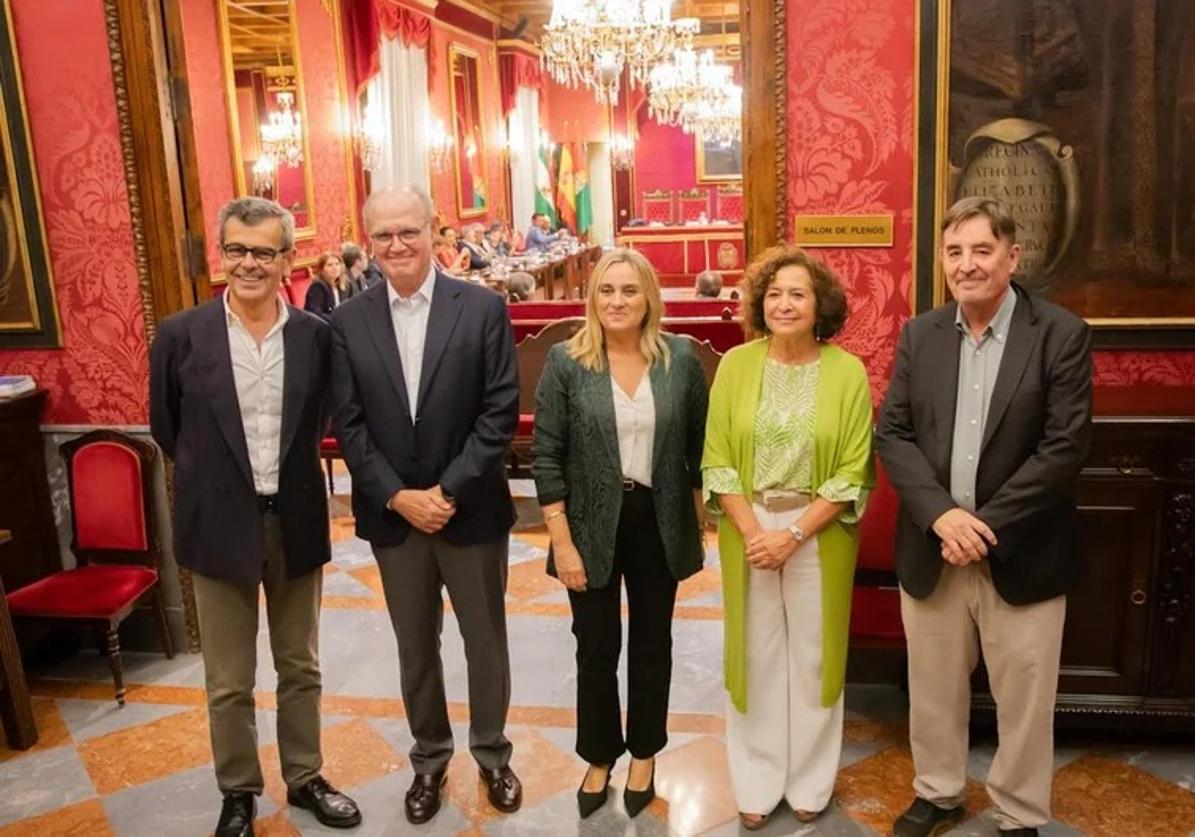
x,y
344,584
52,730
88,719
129,757
84,819
354,753
833,823
1172,764
1104,795
986,825
183,804
42,781
558,815
693,792
139,667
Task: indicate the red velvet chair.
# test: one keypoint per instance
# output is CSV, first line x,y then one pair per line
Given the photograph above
x,y
329,449
730,204
115,543
693,203
657,206
875,607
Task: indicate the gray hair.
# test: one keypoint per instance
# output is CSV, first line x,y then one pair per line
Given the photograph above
x,y
252,211
429,208
520,286
709,283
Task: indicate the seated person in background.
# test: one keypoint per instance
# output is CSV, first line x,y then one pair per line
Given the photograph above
x,y
539,235
472,242
519,287
329,287
493,244
513,239
355,267
449,256
709,284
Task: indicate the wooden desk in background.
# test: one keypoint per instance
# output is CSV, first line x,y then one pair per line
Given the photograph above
x,y
16,711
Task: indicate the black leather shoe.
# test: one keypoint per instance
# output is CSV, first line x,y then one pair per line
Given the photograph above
x,y
925,819
423,797
236,815
331,807
503,788
636,800
590,801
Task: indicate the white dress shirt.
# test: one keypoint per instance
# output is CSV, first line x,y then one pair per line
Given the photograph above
x,y
258,374
635,418
409,316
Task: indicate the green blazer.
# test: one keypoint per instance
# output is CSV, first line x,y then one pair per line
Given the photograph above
x,y
575,450
841,447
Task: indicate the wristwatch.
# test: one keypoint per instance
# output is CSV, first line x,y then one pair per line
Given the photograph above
x,y
798,533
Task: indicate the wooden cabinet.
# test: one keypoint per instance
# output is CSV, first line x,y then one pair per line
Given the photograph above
x,y
25,508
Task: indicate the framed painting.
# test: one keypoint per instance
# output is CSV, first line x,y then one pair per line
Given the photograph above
x,y
469,149
1081,117
28,313
717,162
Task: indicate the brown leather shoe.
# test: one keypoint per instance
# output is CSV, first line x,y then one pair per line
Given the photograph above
x,y
423,797
503,788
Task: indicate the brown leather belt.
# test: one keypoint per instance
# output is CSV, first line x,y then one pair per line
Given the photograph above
x,y
774,500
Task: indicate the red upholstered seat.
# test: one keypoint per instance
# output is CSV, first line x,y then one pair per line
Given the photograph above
x,y
875,616
877,529
329,447
526,425
693,204
657,205
97,591
106,498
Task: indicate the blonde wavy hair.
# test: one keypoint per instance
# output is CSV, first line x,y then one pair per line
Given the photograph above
x,y
588,345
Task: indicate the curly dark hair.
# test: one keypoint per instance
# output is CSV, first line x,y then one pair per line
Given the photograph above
x,y
828,292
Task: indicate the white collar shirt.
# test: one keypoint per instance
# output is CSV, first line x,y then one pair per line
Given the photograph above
x,y
258,373
409,316
635,421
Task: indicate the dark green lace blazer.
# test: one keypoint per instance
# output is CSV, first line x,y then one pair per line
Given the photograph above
x,y
575,451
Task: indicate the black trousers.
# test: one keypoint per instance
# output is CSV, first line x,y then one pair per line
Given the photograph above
x,y
597,625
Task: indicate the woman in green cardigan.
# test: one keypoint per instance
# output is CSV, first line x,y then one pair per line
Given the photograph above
x,y
787,464
619,425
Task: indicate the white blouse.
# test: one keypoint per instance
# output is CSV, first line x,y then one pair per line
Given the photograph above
x,y
635,418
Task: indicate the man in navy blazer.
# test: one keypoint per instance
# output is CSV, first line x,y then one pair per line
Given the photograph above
x,y
237,398
426,393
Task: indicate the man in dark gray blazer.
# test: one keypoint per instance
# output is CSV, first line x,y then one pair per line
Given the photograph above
x,y
426,392
237,399
983,432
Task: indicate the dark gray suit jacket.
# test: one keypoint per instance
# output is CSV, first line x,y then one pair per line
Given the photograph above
x,y
468,409
196,420
1035,440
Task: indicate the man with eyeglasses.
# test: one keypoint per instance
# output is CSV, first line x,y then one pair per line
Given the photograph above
x,y
426,392
237,399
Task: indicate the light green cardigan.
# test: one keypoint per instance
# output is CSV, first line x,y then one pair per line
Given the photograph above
x,y
842,447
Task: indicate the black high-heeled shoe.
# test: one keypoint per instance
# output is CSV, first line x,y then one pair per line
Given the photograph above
x,y
636,800
590,801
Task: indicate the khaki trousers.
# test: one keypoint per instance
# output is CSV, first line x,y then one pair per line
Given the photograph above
x,y
228,627
1021,648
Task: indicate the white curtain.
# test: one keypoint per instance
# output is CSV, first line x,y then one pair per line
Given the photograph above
x,y
601,193
523,131
399,92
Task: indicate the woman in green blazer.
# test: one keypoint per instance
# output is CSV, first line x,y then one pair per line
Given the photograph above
x,y
619,426
787,463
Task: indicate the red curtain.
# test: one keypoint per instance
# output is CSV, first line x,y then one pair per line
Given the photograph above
x,y
515,70
368,21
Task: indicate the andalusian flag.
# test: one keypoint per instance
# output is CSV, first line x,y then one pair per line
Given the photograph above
x,y
543,186
581,186
566,197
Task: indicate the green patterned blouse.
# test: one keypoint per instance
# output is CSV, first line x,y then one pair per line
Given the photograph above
x,y
784,443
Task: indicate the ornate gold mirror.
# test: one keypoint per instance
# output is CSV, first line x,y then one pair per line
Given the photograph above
x,y
267,114
470,150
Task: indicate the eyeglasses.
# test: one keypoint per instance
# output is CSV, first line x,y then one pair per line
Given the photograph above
x,y
408,236
261,255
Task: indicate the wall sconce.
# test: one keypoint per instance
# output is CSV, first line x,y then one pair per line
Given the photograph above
x,y
622,152
369,138
263,174
439,147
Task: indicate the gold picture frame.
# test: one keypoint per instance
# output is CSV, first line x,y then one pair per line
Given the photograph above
x,y
468,132
717,163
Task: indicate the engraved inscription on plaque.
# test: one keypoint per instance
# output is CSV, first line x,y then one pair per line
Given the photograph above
x,y
1024,165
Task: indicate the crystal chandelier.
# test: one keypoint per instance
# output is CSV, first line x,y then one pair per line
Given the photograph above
x,y
282,134
718,118
263,175
369,138
589,42
687,77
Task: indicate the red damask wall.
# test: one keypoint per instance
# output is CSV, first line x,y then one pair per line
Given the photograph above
x,y
100,375
493,126
850,126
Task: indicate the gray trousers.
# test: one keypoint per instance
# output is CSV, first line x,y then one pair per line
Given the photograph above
x,y
228,627
413,575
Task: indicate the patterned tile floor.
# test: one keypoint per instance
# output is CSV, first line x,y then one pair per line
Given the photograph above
x,y
146,769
